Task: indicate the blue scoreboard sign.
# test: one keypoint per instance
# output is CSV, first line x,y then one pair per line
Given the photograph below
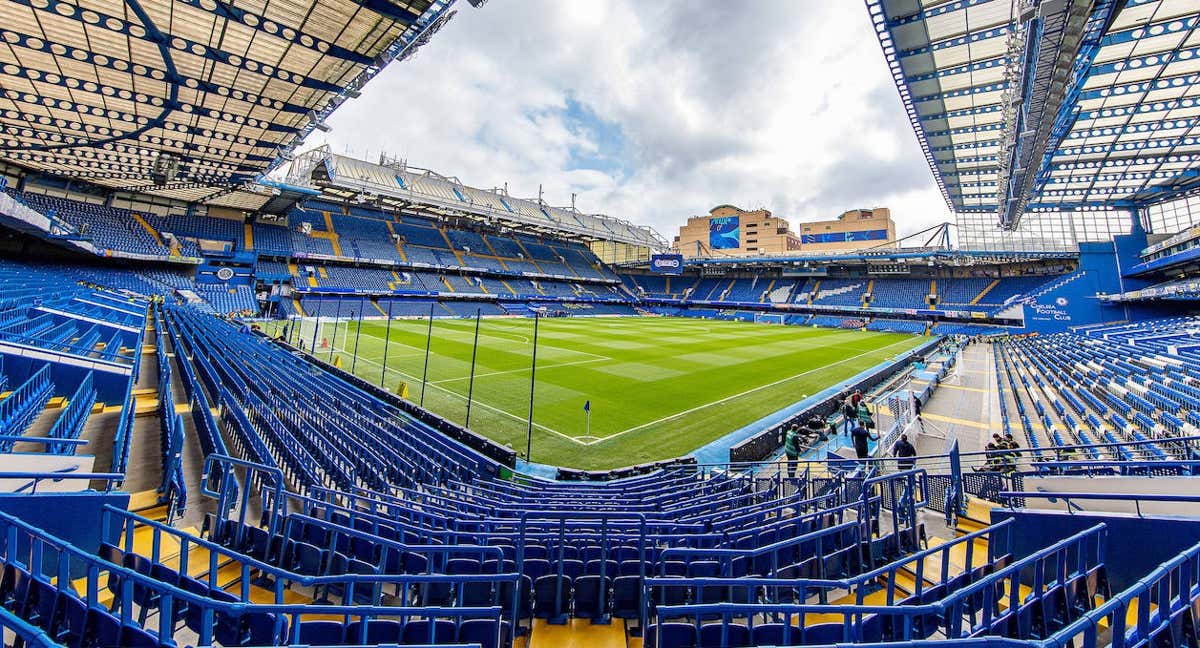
x,y
723,233
671,264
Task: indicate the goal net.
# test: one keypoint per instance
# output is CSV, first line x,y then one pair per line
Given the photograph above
x,y
769,318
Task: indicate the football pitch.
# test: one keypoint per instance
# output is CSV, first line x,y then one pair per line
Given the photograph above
x,y
657,387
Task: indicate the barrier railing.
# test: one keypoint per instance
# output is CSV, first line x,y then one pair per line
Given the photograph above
x,y
1157,604
1137,498
26,633
17,409
36,478
1005,599
560,615
70,422
279,579
173,488
124,433
31,550
788,623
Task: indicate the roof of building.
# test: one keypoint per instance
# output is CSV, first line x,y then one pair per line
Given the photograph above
x,y
205,94
406,187
1057,105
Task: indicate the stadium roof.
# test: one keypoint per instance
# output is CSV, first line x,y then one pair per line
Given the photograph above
x,y
103,90
405,187
1023,105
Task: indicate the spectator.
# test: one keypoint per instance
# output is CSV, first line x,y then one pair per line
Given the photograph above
x,y
860,434
816,429
994,462
864,416
791,448
849,413
904,452
917,412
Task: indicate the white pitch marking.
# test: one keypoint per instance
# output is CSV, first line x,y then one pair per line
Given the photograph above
x,y
478,403
748,391
522,369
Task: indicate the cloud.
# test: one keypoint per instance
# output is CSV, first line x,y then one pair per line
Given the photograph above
x,y
654,112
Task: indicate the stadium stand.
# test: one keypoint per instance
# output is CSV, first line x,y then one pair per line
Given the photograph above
x,y
178,470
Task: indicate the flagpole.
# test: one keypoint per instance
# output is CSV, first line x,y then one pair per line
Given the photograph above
x,y
428,339
387,338
471,384
532,383
357,333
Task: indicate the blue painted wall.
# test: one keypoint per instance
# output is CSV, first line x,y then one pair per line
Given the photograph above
x,y
1074,303
1135,544
72,517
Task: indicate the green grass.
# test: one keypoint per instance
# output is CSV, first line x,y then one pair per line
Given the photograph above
x,y
659,387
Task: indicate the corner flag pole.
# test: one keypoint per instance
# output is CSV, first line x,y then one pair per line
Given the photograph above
x,y
532,382
428,339
357,332
387,338
587,413
471,384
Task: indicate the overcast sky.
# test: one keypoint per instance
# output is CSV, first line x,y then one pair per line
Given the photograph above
x,y
655,111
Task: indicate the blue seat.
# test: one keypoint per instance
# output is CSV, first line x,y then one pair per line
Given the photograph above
x,y
14,587
320,633
775,634
423,632
484,633
504,597
551,596
736,635
670,635
587,596
378,631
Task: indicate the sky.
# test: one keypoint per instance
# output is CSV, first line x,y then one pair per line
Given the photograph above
x,y
655,111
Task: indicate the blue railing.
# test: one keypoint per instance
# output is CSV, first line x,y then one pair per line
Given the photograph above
x,y
70,422
124,433
1136,498
37,477
23,404
46,560
173,488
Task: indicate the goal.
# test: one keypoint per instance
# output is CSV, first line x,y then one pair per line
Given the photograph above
x,y
769,318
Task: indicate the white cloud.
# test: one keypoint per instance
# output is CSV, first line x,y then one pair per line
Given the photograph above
x,y
786,104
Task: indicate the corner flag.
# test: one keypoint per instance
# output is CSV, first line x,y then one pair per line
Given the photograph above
x,y
587,406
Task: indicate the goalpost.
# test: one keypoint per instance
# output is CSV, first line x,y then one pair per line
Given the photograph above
x,y
768,318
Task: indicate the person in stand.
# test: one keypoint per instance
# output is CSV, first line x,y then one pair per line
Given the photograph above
x,y
904,453
816,429
849,413
791,448
861,435
994,462
863,413
857,397
917,412
1011,455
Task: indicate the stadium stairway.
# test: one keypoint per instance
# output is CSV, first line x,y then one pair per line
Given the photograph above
x,y
988,289
149,228
450,244
399,245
